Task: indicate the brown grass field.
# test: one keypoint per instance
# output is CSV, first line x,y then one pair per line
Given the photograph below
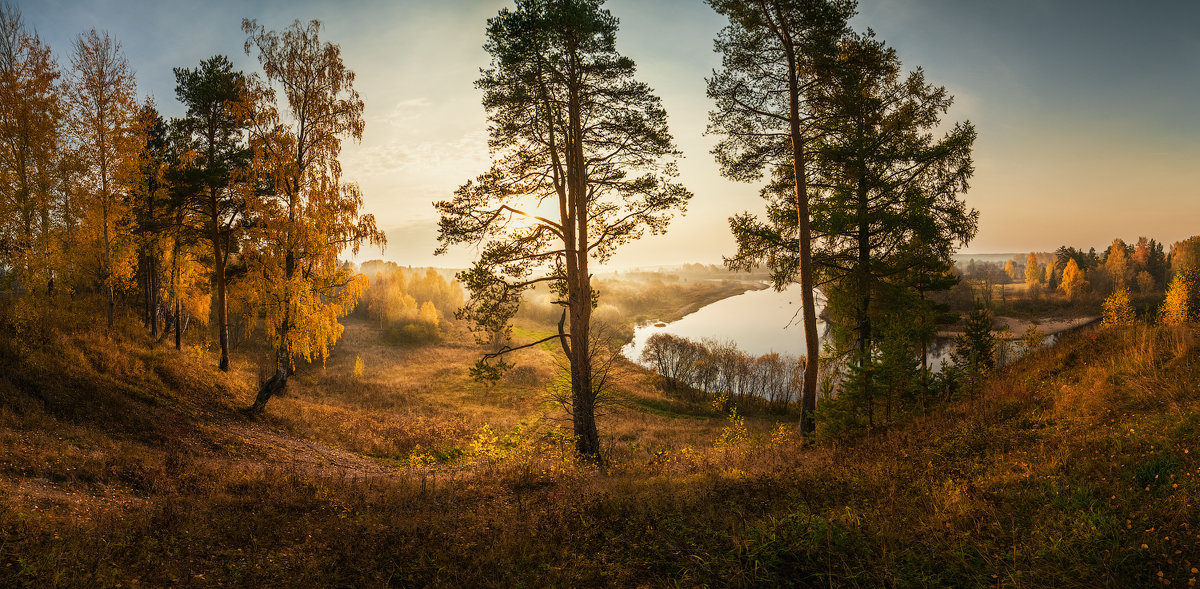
x,y
125,463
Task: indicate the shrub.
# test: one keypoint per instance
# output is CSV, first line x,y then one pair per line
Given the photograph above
x,y
1118,308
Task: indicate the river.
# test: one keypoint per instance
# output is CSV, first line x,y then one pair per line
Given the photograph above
x,y
765,321
759,321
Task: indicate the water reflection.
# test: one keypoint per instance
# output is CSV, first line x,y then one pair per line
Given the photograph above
x,y
765,321
758,321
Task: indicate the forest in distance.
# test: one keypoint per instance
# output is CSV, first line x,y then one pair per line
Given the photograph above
x,y
201,384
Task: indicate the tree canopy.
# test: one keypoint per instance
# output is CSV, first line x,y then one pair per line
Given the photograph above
x,y
573,131
774,54
303,213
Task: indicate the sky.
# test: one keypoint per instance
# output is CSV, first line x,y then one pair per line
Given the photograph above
x,y
1087,111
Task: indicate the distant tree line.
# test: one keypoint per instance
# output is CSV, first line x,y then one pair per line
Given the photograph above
x,y
410,305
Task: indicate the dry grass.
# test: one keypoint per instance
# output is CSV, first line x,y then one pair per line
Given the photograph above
x,y
126,463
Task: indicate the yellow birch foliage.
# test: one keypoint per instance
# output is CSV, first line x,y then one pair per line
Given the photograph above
x,y
103,110
1180,306
1033,271
1074,282
1117,265
309,215
190,283
30,119
1118,308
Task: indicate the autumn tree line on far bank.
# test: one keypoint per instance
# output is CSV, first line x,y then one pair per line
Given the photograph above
x,y
1162,282
1123,285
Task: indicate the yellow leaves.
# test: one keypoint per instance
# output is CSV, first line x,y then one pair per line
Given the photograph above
x,y
1074,281
309,215
734,434
1180,304
394,298
1118,308
30,117
1033,270
428,314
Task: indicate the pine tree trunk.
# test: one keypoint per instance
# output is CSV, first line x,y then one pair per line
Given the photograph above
x,y
864,292
583,397
579,296
808,403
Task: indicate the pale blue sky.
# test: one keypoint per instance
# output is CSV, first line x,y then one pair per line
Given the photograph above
x,y
1086,110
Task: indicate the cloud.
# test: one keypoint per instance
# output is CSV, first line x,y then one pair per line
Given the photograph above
x,y
406,112
428,164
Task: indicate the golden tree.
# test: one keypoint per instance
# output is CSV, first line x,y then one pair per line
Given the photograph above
x,y
1074,282
103,114
304,214
1118,308
30,119
1181,304
1033,270
1117,265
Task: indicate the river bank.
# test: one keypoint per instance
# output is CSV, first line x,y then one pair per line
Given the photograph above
x,y
1013,328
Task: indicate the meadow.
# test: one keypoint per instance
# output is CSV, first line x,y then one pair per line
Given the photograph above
x,y
126,463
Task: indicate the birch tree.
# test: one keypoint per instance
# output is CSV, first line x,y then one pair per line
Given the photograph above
x,y
302,214
31,112
103,105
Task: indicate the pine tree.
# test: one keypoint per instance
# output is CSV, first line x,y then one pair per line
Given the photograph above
x,y
890,203
215,162
975,350
149,201
773,54
571,127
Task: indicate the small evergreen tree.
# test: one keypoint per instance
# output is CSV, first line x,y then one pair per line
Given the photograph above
x,y
1033,338
975,350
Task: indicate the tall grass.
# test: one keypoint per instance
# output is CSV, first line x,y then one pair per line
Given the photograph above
x,y
126,463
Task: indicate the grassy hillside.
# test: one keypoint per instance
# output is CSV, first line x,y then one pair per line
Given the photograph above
x,y
124,462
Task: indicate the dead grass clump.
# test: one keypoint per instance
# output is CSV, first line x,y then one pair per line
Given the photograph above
x,y
529,376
